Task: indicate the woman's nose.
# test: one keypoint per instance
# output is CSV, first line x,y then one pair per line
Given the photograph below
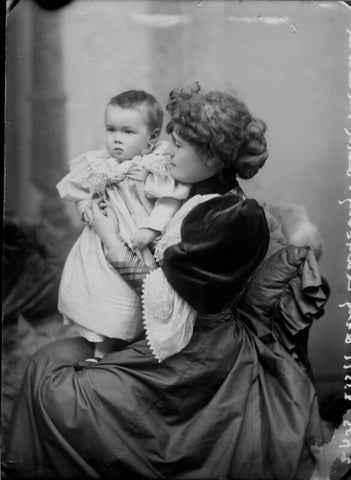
x,y
170,151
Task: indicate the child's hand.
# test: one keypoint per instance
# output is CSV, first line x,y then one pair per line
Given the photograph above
x,y
143,237
87,214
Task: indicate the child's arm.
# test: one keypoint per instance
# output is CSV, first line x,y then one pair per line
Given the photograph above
x,y
156,223
167,193
142,237
162,213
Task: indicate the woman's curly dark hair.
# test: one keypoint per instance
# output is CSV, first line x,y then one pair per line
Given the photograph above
x,y
219,125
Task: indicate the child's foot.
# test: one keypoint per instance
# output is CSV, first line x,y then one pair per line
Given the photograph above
x,y
87,363
93,360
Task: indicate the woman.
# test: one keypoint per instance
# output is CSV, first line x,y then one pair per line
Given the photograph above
x,y
210,390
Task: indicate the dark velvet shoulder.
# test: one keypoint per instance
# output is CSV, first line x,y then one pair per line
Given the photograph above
x,y
223,240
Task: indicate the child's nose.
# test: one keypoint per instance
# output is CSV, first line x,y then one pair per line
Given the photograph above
x,y
117,137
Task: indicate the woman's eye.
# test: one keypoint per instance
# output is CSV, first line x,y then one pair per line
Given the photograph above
x,y
175,142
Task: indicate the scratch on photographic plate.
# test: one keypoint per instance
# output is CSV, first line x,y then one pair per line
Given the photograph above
x,y
326,5
265,20
161,21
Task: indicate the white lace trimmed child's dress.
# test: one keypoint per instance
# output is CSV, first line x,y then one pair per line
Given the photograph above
x,y
92,294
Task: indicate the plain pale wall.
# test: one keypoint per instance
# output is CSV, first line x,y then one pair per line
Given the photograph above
x,y
287,60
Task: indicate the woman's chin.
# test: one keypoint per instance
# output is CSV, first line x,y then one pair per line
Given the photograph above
x,y
178,177
173,175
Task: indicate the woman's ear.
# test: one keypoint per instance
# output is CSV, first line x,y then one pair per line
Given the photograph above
x,y
214,164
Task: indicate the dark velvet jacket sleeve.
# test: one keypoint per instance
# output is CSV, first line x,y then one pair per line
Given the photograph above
x,y
223,240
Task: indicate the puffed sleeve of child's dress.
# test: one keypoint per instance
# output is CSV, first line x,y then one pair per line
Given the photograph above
x,y
75,185
160,186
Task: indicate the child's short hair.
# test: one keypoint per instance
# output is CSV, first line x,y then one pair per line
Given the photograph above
x,y
137,99
219,125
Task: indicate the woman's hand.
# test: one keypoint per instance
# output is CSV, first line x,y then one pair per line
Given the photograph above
x,y
105,224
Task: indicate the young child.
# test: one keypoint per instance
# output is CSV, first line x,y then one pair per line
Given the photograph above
x,y
130,175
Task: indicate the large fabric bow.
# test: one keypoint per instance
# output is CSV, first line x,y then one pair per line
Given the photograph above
x,y
129,169
97,181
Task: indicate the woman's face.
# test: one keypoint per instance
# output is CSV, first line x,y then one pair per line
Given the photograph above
x,y
187,165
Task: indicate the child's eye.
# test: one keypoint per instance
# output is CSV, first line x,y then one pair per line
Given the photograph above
x,y
128,131
110,129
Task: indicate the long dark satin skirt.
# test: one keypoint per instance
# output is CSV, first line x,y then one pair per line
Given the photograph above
x,y
226,406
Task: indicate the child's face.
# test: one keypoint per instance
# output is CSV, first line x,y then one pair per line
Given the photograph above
x,y
187,165
126,132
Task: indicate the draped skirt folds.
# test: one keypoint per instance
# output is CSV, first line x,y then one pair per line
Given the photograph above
x,y
227,406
